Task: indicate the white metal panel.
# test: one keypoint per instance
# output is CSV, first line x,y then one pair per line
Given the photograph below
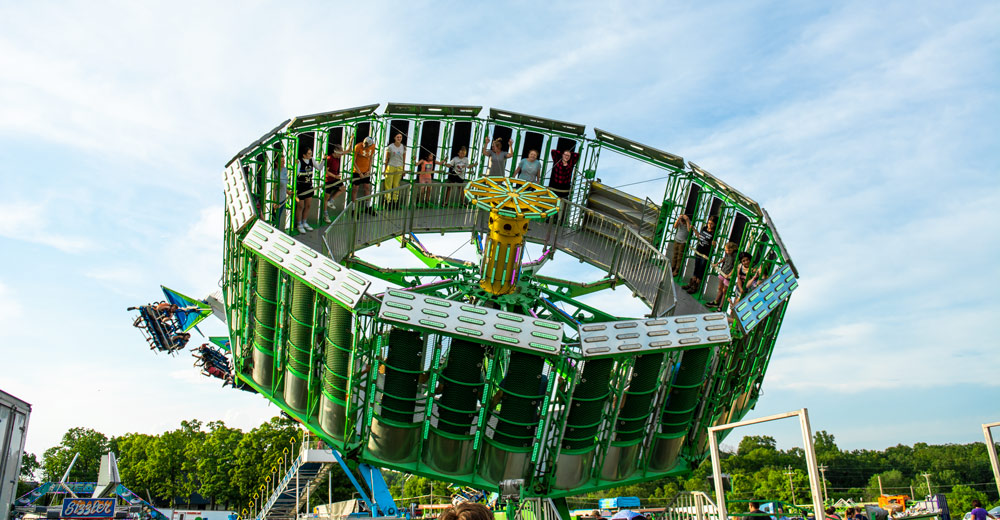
x,y
480,324
241,208
306,264
636,336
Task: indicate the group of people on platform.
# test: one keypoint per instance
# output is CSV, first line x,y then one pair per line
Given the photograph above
x,y
394,160
731,266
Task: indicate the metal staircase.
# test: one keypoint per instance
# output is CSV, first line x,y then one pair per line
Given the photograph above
x,y
292,491
282,498
637,213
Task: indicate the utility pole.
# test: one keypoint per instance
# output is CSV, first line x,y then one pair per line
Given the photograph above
x,y
927,476
822,471
791,486
880,492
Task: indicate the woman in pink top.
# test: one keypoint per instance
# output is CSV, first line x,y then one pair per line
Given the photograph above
x,y
425,173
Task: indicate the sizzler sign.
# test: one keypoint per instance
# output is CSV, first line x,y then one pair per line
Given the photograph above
x,y
88,508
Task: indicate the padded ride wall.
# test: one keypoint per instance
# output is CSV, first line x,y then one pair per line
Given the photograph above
x,y
394,431
336,371
265,312
300,346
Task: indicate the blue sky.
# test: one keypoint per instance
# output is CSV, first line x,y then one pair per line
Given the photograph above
x,y
868,131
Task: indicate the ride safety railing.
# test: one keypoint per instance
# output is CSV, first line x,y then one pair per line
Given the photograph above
x,y
261,499
691,505
610,244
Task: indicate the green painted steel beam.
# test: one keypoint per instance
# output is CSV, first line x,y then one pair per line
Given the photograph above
x,y
597,313
572,289
429,259
513,118
432,111
632,148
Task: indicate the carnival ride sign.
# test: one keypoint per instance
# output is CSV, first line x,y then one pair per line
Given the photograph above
x,y
88,508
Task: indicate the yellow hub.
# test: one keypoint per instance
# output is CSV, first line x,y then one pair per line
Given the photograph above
x,y
511,203
501,265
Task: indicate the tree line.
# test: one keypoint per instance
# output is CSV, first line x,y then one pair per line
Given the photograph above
x,y
226,466
758,470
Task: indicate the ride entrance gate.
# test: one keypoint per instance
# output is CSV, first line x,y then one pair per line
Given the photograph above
x,y
486,369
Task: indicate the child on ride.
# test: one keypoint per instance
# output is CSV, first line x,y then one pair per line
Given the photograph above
x,y
425,173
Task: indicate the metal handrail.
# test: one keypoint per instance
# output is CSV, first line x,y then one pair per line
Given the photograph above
x,y
691,505
582,232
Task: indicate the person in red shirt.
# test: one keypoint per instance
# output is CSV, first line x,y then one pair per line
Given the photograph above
x,y
334,185
562,172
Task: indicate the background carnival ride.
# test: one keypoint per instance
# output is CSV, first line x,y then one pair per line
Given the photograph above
x,y
483,371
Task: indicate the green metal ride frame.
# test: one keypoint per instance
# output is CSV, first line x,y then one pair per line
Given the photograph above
x,y
407,378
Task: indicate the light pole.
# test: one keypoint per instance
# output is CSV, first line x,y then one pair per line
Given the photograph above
x,y
927,476
822,470
791,487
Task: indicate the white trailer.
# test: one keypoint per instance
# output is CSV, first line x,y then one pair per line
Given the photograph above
x,y
13,429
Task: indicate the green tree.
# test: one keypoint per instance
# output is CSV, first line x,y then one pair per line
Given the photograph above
x,y
214,461
170,471
893,483
259,455
90,444
133,450
754,442
960,499
825,445
29,466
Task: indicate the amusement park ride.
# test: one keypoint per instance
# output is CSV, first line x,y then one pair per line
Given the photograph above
x,y
488,372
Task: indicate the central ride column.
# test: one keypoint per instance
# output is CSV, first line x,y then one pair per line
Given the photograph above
x,y
511,203
514,412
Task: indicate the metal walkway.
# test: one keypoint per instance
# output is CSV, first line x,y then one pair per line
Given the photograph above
x,y
604,241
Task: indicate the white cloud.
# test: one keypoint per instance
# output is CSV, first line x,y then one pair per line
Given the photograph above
x,y
30,222
869,143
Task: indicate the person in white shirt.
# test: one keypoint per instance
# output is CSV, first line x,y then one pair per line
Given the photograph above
x,y
395,158
457,167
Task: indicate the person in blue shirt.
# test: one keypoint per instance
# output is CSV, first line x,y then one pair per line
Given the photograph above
x,y
529,167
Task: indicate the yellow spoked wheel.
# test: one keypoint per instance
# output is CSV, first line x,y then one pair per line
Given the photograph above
x,y
513,198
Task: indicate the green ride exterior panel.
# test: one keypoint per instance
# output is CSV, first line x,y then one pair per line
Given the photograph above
x,y
336,370
265,305
638,398
299,345
683,397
